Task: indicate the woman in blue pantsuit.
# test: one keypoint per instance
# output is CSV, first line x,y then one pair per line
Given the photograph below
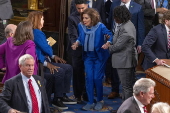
x,y
92,35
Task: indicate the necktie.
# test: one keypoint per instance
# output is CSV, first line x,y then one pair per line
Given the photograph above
x,y
169,40
152,4
144,108
35,108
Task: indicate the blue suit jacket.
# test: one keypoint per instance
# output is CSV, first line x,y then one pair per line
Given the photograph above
x,y
102,54
42,47
155,46
137,19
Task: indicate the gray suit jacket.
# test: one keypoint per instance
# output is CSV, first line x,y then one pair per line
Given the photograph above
x,y
129,106
124,54
6,11
13,95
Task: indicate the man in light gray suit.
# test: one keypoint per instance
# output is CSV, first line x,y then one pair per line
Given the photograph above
x,y
143,91
6,13
123,50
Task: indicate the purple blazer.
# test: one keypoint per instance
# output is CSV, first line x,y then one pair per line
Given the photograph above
x,y
10,54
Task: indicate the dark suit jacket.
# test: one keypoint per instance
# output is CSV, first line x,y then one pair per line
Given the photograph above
x,y
97,4
129,106
137,19
155,46
73,21
149,14
13,95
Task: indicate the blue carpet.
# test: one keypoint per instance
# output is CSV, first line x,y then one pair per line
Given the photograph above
x,y
110,104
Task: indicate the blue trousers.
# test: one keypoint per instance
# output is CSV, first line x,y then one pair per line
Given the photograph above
x,y
95,70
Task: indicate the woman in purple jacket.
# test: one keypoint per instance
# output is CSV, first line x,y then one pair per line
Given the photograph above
x,y
22,43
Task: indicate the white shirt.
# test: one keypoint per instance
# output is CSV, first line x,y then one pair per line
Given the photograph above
x,y
90,3
126,4
27,92
139,104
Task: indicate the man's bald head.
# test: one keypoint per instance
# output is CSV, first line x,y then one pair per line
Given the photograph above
x,y
10,30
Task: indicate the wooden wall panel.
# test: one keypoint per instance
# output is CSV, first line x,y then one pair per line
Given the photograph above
x,y
51,16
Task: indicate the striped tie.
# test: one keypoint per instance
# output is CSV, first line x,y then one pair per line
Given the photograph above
x,y
169,40
144,108
35,108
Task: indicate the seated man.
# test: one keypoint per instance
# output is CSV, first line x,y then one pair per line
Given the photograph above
x,y
9,32
18,92
143,92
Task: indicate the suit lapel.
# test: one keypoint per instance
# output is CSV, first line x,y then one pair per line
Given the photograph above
x,y
131,7
21,88
165,36
136,105
38,82
93,3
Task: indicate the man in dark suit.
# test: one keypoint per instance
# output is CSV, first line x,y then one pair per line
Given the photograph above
x,y
96,4
143,91
6,13
156,44
151,12
77,60
19,94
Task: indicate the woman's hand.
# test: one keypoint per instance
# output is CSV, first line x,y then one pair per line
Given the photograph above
x,y
58,59
106,45
52,67
74,46
107,36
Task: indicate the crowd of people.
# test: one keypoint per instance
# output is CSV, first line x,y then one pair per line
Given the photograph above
x,y
100,45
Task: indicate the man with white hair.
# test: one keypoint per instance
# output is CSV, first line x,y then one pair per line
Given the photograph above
x,y
143,92
24,92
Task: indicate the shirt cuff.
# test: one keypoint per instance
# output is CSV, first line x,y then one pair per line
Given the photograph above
x,y
109,42
45,63
78,41
53,56
155,59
